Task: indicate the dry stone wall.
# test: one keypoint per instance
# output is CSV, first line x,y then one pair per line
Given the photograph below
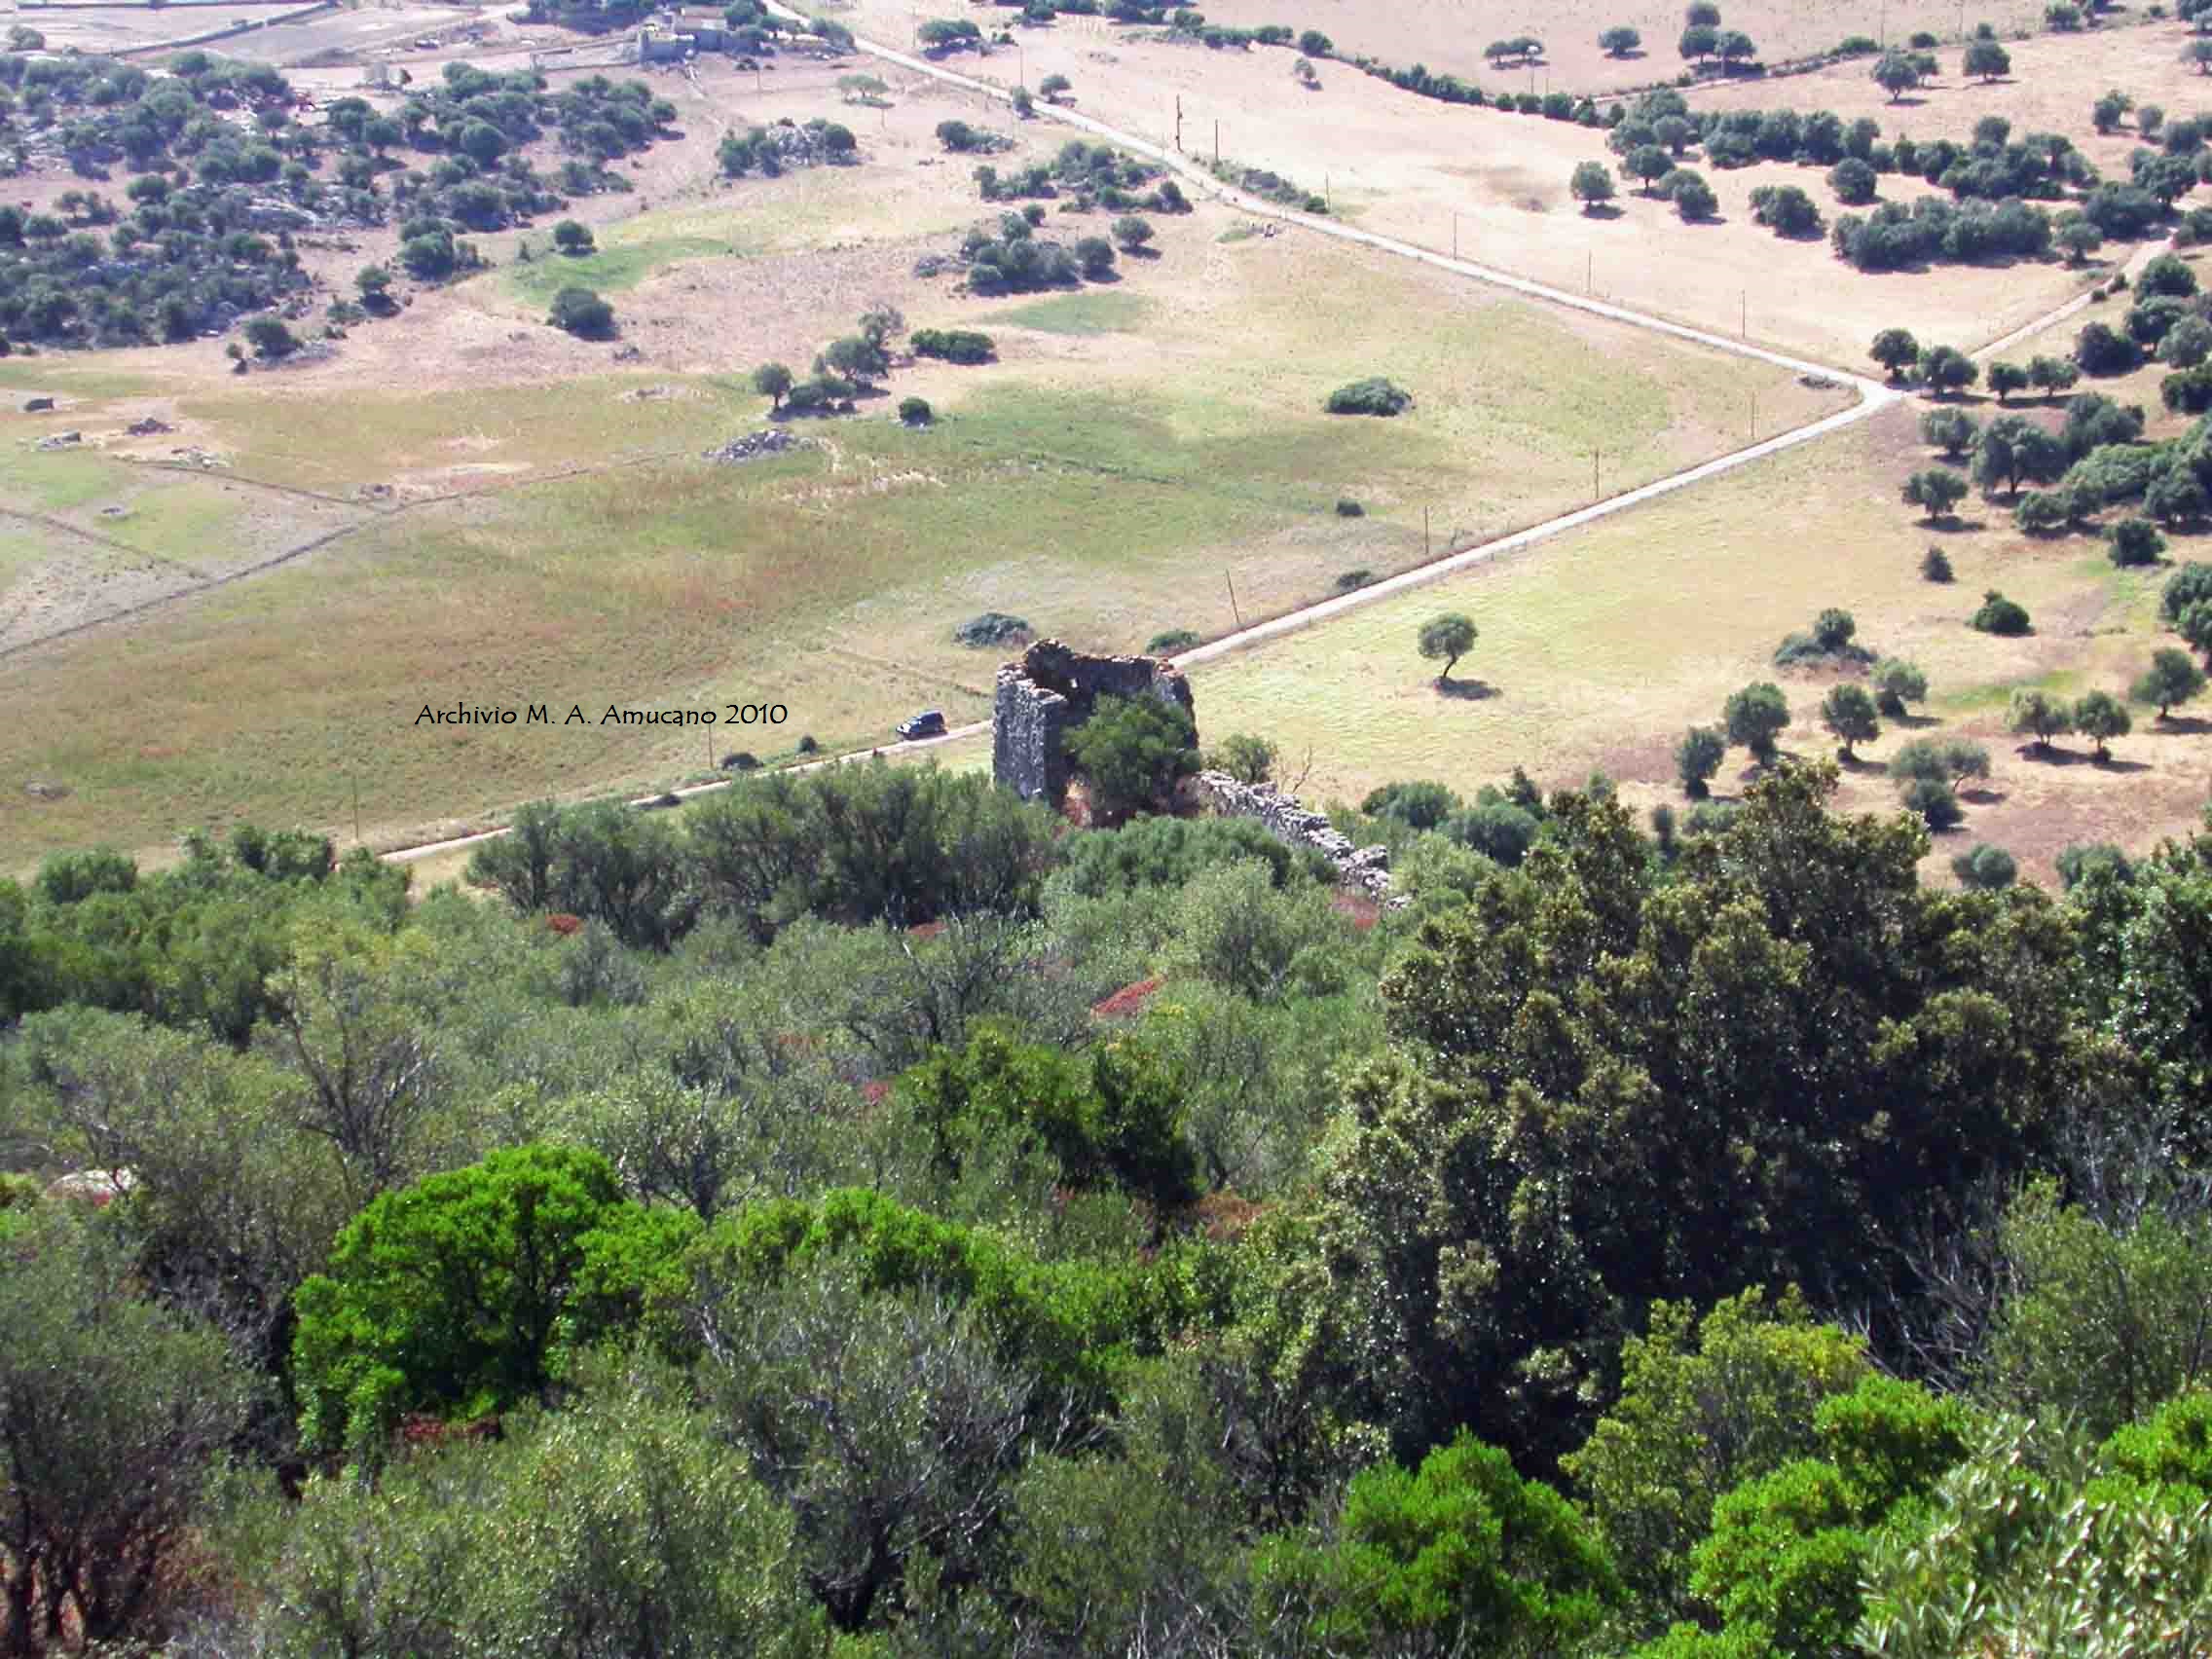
x,y
1365,870
1051,691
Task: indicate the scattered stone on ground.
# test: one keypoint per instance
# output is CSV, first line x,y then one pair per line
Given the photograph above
x,y
115,512
148,427
1816,383
771,440
372,493
628,354
61,440
650,393
40,790
37,405
188,456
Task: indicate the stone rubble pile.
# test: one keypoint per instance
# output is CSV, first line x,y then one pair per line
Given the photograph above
x,y
1366,869
771,440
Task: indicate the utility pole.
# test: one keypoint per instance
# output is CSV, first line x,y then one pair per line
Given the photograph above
x,y
1592,475
1232,610
1744,315
1178,124
1754,396
1590,273
354,772
1424,533
1217,146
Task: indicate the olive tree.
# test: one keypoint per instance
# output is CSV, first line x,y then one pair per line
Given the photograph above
x,y
1446,639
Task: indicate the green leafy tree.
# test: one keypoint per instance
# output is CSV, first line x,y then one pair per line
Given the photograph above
x,y
1947,369
1848,713
1895,74
1997,614
1244,756
1935,802
1951,430
1699,41
2039,715
2172,677
583,313
459,1296
1985,868
2051,376
571,236
1705,1403
1592,184
2004,379
1619,42
1133,752
1131,233
1463,1555
771,381
111,1413
1755,717
1446,639
1987,60
1895,350
2100,716
1650,163
856,357
2134,541
1896,683
1697,758
1936,492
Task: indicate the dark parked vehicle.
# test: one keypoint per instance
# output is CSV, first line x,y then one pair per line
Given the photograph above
x,y
929,722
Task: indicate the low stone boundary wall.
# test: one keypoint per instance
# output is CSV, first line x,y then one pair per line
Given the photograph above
x,y
1364,869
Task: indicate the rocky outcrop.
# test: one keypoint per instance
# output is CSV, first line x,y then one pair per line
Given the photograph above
x,y
1364,869
1051,690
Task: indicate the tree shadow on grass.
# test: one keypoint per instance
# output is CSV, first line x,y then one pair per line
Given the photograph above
x,y
2178,726
2053,755
1859,767
1912,722
1467,690
1981,797
1601,210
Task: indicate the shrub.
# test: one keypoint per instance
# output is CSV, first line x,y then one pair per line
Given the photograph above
x,y
1372,396
572,237
1131,751
2102,351
1418,805
1346,508
915,411
807,745
1247,758
1935,801
271,338
1985,867
953,344
583,313
1095,254
1131,233
992,628
1998,614
1697,758
1351,580
2189,585
1169,643
2135,541
1936,565
741,760
1854,182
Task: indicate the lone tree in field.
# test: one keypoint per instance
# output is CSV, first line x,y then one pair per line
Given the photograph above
x,y
1848,713
1054,87
572,236
1699,41
2173,676
771,381
583,314
1986,59
1697,758
1895,350
1893,72
1447,639
2039,715
1896,683
1131,751
1755,718
1592,184
2100,716
1935,492
1619,42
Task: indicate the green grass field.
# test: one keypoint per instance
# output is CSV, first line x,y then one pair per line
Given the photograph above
x,y
1174,471
624,258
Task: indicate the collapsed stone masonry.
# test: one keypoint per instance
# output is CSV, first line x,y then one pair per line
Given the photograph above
x,y
1363,870
1050,691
